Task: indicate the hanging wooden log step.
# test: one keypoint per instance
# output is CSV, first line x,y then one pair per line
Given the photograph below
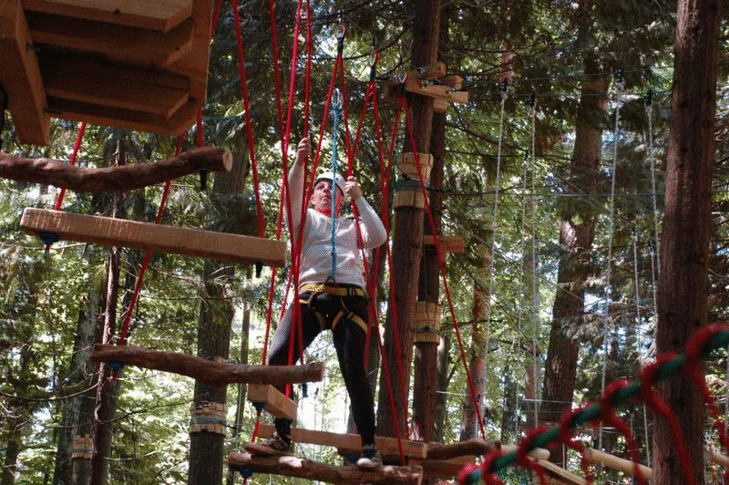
x,y
298,467
560,474
208,371
348,444
158,237
127,177
273,401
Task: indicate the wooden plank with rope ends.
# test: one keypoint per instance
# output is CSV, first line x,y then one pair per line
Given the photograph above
x,y
20,76
157,237
208,371
127,177
272,400
298,467
348,443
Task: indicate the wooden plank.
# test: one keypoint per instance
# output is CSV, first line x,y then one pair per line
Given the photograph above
x,y
348,443
112,85
157,237
621,464
20,76
436,91
445,468
564,476
432,71
448,244
275,402
178,123
195,64
315,471
161,15
130,45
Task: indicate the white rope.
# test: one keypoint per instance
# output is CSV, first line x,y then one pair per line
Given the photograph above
x,y
639,343
608,289
504,94
535,281
656,215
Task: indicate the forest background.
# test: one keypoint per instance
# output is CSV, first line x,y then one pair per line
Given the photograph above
x,y
577,142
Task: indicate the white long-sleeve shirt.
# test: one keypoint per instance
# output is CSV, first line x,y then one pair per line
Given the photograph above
x,y
316,250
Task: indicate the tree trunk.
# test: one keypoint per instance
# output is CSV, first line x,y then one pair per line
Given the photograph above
x,y
476,359
216,316
407,241
682,296
576,234
427,372
107,391
242,388
10,462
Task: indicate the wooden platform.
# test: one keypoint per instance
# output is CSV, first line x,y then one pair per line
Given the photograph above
x,y
298,467
140,65
350,443
157,237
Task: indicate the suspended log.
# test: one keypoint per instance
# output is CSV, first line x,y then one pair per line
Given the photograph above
x,y
208,371
127,177
297,467
156,237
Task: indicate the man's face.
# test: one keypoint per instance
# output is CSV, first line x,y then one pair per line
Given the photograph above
x,y
321,198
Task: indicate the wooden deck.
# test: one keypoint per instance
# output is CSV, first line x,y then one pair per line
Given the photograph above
x,y
139,65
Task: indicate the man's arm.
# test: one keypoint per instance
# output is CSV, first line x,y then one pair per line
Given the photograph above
x,y
296,184
370,226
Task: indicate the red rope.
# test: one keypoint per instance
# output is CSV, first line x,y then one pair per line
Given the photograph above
x,y
71,161
148,254
249,123
526,445
566,424
660,406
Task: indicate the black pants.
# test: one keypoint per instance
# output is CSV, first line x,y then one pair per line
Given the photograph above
x,y
349,341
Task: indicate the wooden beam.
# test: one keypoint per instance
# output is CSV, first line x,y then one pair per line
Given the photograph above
x,y
112,85
432,71
445,468
82,179
448,244
564,476
160,15
130,45
436,91
298,467
476,446
157,237
348,443
208,371
178,123
273,401
621,464
21,77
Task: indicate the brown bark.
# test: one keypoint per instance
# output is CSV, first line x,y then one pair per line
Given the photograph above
x,y
216,316
408,238
577,231
299,467
210,372
126,177
682,295
10,462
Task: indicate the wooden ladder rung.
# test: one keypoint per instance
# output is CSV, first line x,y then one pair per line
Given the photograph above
x,y
158,237
273,401
348,443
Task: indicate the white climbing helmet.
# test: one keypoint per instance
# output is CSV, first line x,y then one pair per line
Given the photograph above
x,y
327,175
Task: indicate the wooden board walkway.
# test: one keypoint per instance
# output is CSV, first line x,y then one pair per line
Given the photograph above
x,y
298,467
158,237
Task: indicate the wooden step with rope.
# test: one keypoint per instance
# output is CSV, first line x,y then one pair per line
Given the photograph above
x,y
298,467
349,444
270,399
157,237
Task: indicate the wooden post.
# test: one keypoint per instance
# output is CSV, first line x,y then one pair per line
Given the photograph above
x,y
408,238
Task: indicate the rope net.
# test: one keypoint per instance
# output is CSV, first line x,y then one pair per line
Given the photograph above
x,y
616,394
